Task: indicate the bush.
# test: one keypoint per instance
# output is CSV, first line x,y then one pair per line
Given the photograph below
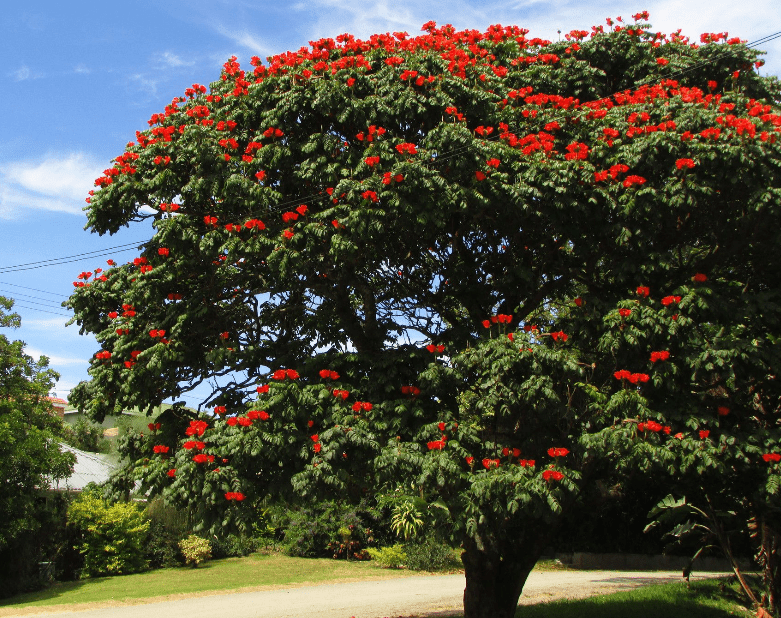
x,y
233,546
431,556
195,549
168,526
327,530
392,557
112,537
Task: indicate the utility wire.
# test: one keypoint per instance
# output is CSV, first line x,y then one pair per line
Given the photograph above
x,y
23,287
70,258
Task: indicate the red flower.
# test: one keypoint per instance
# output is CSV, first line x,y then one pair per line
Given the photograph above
x,y
633,180
262,389
768,457
437,445
441,426
172,472
722,410
406,147
560,335
491,463
232,421
493,163
555,475
292,374
479,175
687,163
219,410
317,447
704,433
340,393
327,374
669,300
558,452
159,448
162,251
700,277
662,355
487,323
315,438
624,313
578,301
113,315
470,460
370,195
153,426
643,291
288,234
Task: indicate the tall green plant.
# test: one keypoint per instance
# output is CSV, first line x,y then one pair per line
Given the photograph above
x,y
488,266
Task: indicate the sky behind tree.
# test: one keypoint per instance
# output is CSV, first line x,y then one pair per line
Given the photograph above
x,y
79,79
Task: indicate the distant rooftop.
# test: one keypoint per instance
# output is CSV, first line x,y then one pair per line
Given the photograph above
x,y
89,468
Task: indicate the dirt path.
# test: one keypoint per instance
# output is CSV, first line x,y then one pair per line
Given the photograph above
x,y
421,596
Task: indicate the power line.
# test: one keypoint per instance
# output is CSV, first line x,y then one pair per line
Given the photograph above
x,y
70,258
50,303
23,287
20,305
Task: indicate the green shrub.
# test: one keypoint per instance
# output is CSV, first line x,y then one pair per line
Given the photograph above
x,y
112,537
233,546
327,530
195,549
168,526
430,556
392,557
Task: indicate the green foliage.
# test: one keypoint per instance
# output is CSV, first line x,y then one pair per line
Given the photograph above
x,y
86,436
406,521
327,529
195,549
30,455
392,557
112,536
430,555
234,546
167,526
583,237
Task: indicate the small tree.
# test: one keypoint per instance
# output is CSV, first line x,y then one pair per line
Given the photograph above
x,y
30,457
488,266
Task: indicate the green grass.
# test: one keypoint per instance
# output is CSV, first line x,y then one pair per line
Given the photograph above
x,y
254,571
704,599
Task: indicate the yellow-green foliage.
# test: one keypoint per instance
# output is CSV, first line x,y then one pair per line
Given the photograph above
x,y
389,557
113,536
195,549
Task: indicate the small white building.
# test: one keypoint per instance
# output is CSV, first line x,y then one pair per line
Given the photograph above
x,y
88,468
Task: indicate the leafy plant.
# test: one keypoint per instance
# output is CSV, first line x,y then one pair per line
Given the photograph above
x,y
113,536
195,549
392,557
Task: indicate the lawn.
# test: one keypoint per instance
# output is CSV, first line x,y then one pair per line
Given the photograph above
x,y
253,572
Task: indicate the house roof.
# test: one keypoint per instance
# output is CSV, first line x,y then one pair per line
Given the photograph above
x,y
89,468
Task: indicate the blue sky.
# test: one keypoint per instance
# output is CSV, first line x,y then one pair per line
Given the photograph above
x,y
79,78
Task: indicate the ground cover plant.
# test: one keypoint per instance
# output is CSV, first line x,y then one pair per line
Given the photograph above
x,y
476,269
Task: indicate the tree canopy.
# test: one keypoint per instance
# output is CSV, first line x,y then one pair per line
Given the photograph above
x,y
29,452
479,266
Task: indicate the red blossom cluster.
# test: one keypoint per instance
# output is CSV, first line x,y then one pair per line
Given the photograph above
x,y
643,291
632,378
662,355
558,452
654,427
281,374
624,313
489,464
203,458
341,393
159,448
103,355
328,374
220,410
559,336
435,348
234,495
722,410
196,428
552,475
768,457
153,427
362,405
670,300
194,444
410,390
437,445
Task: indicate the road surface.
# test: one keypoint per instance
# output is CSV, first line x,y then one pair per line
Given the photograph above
x,y
421,596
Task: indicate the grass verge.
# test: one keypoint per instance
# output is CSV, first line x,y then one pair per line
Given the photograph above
x,y
253,572
704,599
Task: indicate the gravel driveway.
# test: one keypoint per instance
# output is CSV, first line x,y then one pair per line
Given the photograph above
x,y
420,596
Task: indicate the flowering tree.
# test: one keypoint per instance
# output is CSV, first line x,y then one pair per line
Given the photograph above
x,y
488,265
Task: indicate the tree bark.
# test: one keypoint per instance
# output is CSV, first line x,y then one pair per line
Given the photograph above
x,y
495,580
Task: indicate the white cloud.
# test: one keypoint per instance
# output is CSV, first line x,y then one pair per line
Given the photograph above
x,y
171,60
24,73
246,40
58,183
82,69
54,360
143,83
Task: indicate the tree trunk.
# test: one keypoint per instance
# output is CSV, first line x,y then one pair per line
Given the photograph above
x,y
494,581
